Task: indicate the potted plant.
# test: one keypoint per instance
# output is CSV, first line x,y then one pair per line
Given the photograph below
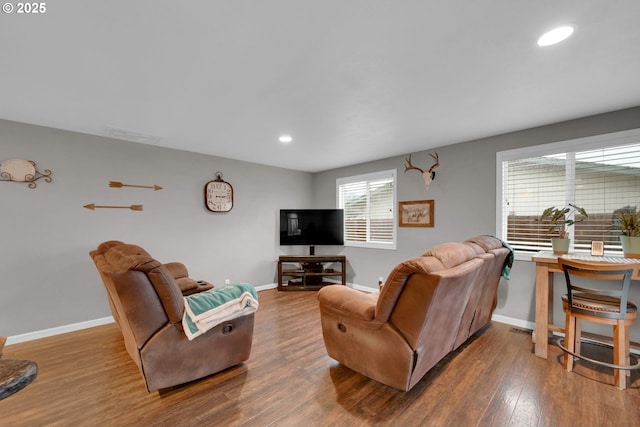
x,y
559,220
627,222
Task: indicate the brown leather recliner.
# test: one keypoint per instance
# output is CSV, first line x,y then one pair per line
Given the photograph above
x,y
147,303
428,307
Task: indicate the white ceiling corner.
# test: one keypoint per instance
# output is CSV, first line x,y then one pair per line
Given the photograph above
x,y
350,80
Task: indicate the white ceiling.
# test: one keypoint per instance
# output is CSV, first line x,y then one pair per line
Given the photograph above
x,y
350,80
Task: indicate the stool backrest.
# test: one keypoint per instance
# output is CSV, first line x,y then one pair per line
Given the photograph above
x,y
595,290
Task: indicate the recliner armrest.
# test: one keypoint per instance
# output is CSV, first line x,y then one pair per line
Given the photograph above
x,y
186,284
189,286
177,269
350,301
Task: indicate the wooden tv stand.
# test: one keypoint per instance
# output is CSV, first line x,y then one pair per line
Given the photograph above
x,y
307,273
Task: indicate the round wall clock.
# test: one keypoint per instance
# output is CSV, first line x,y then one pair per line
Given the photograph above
x,y
218,195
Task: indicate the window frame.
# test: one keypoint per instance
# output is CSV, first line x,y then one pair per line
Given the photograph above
x,y
367,177
572,145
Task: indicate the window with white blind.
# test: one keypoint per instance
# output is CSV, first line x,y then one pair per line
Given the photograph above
x,y
600,174
369,209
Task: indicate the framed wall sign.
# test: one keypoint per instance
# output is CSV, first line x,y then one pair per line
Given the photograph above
x,y
218,195
418,213
597,248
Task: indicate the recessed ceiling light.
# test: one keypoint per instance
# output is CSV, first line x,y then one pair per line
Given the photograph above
x,y
285,139
555,36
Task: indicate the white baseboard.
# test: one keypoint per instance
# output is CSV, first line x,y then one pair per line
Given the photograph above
x,y
82,325
103,321
350,285
58,330
364,288
513,322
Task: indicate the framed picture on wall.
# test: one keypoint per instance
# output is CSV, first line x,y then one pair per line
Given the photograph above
x,y
597,248
417,213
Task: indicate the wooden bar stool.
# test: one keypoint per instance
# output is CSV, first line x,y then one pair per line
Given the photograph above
x,y
596,302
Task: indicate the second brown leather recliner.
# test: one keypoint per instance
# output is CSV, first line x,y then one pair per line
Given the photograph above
x,y
148,304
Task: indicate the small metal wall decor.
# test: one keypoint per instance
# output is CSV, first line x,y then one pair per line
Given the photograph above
x,y
20,170
428,175
116,184
93,207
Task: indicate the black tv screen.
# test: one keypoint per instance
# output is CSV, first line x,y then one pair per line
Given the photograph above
x,y
311,227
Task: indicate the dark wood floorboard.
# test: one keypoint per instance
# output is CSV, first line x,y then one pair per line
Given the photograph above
x,y
86,378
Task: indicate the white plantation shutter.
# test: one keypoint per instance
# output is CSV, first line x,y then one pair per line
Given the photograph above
x,y
369,209
607,180
600,174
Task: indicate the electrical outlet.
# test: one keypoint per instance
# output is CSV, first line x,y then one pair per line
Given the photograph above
x,y
227,281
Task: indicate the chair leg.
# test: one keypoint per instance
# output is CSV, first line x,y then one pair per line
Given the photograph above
x,y
620,354
578,335
627,351
570,341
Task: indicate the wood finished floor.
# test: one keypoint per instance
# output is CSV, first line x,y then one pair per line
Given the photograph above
x,y
86,378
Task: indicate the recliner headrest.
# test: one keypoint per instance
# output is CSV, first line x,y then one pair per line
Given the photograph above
x,y
451,254
105,246
130,257
486,242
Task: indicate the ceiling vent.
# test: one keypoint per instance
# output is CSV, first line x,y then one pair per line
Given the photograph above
x,y
133,136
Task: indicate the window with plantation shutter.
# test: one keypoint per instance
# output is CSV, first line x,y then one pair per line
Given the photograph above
x,y
369,209
600,174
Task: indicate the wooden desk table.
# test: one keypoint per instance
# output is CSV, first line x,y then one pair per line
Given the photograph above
x,y
546,265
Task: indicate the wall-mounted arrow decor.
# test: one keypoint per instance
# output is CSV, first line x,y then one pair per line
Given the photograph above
x,y
116,184
93,207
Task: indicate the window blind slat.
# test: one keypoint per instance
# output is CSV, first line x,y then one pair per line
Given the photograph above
x,y
602,181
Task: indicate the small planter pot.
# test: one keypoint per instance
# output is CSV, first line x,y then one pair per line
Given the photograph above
x,y
630,246
560,246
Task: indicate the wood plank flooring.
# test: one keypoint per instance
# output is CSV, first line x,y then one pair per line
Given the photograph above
x,y
86,378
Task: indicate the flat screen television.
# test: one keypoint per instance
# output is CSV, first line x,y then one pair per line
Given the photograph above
x,y
311,227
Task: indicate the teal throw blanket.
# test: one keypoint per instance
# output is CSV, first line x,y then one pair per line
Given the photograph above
x,y
204,310
508,263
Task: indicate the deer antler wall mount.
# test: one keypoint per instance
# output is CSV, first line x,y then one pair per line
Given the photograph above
x,y
428,175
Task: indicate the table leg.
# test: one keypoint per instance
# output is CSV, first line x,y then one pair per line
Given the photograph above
x,y
544,300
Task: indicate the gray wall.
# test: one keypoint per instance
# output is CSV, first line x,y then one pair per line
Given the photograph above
x,y
464,192
47,279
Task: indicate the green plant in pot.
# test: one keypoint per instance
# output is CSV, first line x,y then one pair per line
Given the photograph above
x,y
559,219
627,222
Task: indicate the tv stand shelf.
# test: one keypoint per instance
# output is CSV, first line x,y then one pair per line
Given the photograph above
x,y
307,273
